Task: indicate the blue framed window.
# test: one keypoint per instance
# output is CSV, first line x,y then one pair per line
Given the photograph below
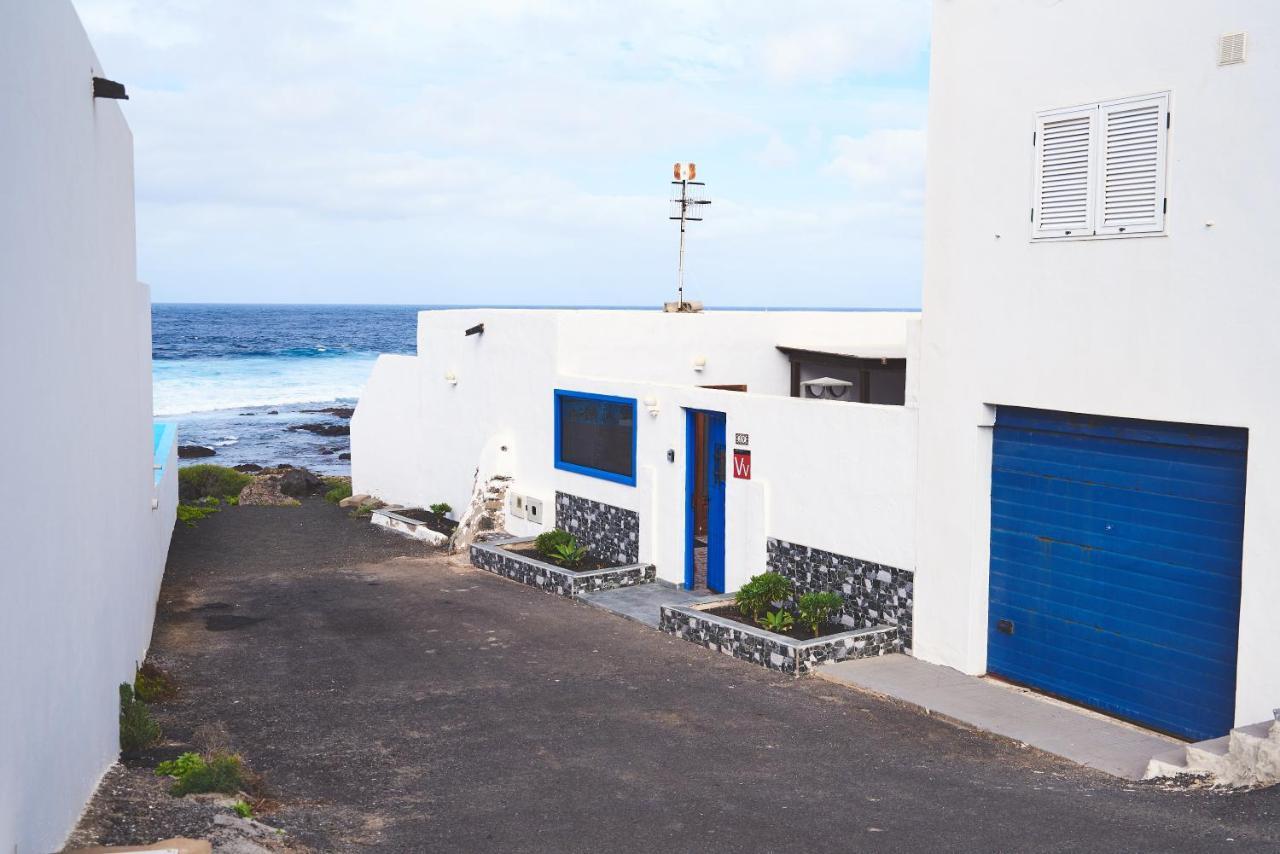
x,y
596,435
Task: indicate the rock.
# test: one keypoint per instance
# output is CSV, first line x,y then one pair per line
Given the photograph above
x,y
326,452
247,414
234,835
335,411
273,411
264,491
345,455
188,452
299,483
353,501
322,429
248,468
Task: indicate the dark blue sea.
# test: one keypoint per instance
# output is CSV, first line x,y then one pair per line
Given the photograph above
x,y
236,378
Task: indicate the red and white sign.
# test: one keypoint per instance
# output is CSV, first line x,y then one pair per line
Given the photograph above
x,y
741,464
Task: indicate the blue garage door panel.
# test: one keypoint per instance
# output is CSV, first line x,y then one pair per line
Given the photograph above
x,y
1115,564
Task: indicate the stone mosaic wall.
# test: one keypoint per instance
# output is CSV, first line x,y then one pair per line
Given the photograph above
x,y
611,533
773,651
562,582
874,594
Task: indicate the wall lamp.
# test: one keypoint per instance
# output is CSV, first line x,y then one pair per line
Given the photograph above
x,y
451,378
699,363
651,403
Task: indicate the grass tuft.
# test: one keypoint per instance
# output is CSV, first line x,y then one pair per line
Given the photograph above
x,y
339,488
153,685
220,772
210,481
138,730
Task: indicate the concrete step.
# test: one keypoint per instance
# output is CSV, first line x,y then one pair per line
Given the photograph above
x,y
1170,763
1207,756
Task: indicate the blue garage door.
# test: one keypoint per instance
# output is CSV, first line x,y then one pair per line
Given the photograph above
x,y
1115,564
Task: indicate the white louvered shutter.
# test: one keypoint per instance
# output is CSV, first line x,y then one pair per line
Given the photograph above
x,y
1133,137
1065,184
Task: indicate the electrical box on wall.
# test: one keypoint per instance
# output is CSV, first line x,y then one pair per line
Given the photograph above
x,y
517,505
533,510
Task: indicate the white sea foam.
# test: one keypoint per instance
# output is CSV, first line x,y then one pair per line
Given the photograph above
x,y
182,386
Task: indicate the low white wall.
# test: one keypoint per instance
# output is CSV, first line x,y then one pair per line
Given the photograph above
x,y
83,549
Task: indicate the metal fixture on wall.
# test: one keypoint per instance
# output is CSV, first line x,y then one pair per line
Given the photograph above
x,y
451,378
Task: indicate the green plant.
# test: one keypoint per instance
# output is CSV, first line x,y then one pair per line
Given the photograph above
x,y
137,728
243,809
180,767
339,488
815,608
233,501
221,772
777,621
569,554
441,509
153,685
210,481
761,591
547,541
189,514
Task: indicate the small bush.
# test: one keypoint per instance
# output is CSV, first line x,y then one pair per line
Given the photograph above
x,y
777,621
243,809
153,685
760,592
816,608
339,489
189,514
548,541
221,772
443,508
570,554
137,728
209,481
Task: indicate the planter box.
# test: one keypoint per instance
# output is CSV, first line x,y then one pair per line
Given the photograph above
x,y
414,528
491,556
774,651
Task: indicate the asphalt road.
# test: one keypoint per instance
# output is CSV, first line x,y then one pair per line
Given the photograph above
x,y
397,700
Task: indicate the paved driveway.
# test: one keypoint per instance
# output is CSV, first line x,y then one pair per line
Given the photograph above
x,y
398,700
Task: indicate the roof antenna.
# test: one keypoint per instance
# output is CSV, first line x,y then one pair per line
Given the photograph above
x,y
687,207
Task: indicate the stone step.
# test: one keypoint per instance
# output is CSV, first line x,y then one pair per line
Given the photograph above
x,y
1169,763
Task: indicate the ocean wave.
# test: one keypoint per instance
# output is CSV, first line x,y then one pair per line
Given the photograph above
x,y
185,386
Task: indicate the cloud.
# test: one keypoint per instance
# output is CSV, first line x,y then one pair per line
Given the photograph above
x,y
503,139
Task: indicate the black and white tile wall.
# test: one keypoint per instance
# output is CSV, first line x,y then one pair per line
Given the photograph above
x,y
874,594
611,533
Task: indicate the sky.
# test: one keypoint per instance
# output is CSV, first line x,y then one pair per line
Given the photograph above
x,y
513,152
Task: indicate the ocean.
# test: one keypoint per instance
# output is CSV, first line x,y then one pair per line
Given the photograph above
x,y
236,378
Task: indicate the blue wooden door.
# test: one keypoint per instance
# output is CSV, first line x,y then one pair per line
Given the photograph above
x,y
1115,564
716,453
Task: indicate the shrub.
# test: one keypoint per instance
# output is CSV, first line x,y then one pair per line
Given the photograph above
x,y
816,608
137,729
209,481
153,685
243,809
189,514
441,509
221,772
339,488
547,541
761,591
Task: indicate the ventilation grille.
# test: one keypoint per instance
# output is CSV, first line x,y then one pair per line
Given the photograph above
x,y
1231,49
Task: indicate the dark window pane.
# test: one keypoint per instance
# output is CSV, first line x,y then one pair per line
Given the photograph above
x,y
597,434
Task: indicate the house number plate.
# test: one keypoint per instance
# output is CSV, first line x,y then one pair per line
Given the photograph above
x,y
741,439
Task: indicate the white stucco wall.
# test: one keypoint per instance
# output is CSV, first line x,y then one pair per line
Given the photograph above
x,y
83,550
838,476
1168,328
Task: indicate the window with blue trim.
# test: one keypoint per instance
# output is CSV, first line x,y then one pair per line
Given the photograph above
x,y
596,435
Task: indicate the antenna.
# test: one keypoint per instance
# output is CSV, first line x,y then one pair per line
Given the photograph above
x,y
686,207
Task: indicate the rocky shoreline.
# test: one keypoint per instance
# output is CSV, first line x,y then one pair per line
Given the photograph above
x,y
250,440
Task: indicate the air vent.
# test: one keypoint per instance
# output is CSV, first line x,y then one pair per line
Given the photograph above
x,y
1231,49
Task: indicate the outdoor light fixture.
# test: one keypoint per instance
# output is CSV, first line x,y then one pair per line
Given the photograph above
x,y
104,88
451,378
827,387
651,403
699,363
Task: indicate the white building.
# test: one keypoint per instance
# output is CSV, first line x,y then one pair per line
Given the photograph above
x,y
86,530
1091,372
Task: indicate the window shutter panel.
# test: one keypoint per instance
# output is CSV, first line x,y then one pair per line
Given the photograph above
x,y
1064,157
1131,170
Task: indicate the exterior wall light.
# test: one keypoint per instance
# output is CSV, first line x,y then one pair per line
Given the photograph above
x,y
651,403
451,378
699,363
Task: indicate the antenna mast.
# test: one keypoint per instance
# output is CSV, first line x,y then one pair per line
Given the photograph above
x,y
686,207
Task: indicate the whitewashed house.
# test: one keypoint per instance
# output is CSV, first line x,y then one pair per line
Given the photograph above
x,y
1055,493
92,485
